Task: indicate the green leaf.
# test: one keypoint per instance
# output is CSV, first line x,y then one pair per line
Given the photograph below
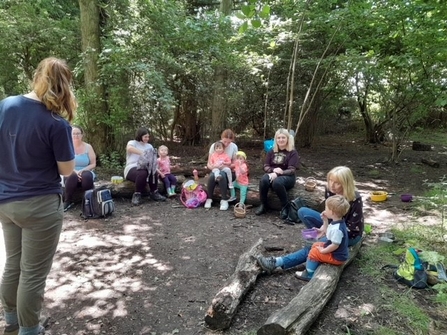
x,y
243,27
246,10
266,10
256,23
241,15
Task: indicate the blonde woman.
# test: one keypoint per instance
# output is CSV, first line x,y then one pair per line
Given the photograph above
x,y
280,165
36,149
340,181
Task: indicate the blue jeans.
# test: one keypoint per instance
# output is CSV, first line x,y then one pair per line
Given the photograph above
x,y
31,229
280,185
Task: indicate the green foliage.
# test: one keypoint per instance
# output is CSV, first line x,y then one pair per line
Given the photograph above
x,y
441,296
112,161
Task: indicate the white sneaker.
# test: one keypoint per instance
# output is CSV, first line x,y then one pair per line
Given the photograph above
x,y
208,203
223,205
232,199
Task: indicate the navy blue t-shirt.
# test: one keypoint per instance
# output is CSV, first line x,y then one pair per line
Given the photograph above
x,y
32,141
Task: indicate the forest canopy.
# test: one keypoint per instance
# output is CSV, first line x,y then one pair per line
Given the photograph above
x,y
189,69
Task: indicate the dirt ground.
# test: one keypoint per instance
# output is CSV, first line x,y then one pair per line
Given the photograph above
x,y
154,269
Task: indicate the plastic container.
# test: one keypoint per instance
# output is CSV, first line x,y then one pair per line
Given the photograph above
x,y
406,197
309,234
378,196
117,179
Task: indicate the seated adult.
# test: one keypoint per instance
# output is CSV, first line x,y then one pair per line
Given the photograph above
x,y
83,175
280,166
227,137
340,181
135,150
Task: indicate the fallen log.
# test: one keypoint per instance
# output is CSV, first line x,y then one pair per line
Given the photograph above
x,y
227,300
418,146
297,317
430,162
314,199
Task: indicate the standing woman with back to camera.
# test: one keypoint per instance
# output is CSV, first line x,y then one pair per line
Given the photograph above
x,y
37,148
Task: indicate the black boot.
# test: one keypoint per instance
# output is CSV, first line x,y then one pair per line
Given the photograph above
x,y
156,196
261,210
284,212
136,199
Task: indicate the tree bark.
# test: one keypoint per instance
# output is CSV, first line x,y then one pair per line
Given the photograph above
x,y
226,302
301,312
95,106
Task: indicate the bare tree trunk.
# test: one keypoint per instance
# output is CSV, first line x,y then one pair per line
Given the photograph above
x,y
96,107
218,108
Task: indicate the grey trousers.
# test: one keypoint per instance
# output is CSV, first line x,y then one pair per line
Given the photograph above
x,y
31,230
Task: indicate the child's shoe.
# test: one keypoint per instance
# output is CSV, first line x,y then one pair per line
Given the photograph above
x,y
173,191
208,203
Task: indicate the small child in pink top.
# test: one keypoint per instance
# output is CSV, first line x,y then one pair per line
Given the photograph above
x,y
220,161
241,182
164,170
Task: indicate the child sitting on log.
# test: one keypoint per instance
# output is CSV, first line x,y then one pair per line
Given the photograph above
x,y
335,250
241,182
164,171
220,161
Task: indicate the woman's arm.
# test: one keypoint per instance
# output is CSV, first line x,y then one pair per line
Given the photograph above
x,y
354,218
133,150
66,168
292,163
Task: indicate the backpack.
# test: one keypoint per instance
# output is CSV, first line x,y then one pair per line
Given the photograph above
x,y
193,195
293,207
412,271
97,204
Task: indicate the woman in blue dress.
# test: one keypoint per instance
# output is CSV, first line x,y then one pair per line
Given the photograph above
x,y
83,175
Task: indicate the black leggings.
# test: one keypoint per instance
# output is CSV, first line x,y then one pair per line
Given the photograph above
x,y
72,182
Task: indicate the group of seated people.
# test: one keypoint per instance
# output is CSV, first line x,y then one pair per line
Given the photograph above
x,y
339,226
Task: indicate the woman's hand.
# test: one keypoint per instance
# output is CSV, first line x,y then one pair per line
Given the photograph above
x,y
272,176
278,171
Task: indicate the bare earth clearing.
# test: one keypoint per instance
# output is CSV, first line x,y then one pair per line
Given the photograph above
x,y
154,269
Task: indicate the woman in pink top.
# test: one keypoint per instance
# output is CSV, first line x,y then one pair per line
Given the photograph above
x,y
164,171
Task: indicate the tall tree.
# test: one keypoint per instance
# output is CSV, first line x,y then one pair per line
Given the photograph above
x,y
94,110
219,102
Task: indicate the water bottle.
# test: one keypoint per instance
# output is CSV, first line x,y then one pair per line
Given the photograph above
x,y
196,175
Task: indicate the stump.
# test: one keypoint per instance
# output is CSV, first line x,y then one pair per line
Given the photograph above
x,y
303,310
226,302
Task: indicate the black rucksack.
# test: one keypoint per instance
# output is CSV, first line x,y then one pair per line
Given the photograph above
x,y
293,207
97,204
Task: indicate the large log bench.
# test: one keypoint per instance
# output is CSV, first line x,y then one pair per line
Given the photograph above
x,y
304,309
314,199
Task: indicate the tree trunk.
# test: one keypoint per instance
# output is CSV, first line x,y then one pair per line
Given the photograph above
x,y
218,108
95,106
